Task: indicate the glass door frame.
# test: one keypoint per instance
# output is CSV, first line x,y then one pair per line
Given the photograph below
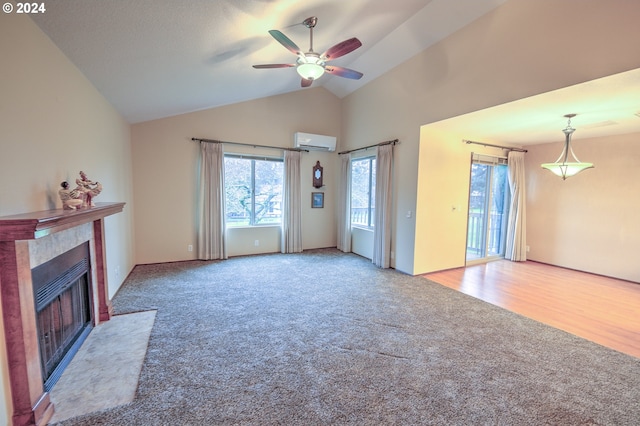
x,y
489,216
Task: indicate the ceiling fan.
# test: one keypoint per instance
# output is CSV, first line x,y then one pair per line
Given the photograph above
x,y
311,65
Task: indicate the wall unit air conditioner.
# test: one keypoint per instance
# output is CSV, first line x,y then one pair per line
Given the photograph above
x,y
314,142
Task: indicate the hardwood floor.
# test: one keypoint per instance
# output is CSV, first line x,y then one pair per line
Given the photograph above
x,y
601,309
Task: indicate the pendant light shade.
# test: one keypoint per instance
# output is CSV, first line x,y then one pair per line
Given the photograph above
x,y
564,166
310,67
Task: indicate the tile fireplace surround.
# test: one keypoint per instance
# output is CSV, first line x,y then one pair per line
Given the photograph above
x,y
26,241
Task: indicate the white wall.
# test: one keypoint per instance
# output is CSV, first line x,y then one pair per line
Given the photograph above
x,y
520,49
54,123
362,242
166,171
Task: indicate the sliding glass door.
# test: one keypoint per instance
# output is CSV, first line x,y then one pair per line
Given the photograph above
x,y
488,208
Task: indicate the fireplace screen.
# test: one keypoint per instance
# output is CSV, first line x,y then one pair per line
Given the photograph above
x,y
63,310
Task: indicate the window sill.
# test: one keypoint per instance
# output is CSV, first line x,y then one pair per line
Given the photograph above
x,y
362,227
270,225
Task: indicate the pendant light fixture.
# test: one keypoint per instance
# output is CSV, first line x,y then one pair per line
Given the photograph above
x,y
563,166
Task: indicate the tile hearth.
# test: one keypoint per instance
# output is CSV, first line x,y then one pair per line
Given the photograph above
x,y
105,371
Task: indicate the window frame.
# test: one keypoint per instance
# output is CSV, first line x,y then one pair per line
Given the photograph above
x,y
372,159
252,214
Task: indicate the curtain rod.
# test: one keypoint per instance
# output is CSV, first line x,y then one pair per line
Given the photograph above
x,y
395,142
248,144
495,146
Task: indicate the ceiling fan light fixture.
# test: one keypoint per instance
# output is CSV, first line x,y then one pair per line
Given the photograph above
x,y
311,65
310,68
563,166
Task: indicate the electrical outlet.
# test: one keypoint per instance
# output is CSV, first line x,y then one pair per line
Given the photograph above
x,y
257,243
190,247
528,248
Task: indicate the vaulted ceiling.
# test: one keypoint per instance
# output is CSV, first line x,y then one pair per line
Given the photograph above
x,y
157,58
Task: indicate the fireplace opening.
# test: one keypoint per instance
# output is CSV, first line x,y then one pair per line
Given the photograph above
x,y
63,309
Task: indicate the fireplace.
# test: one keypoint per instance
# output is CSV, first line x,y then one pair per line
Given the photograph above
x,y
61,289
53,285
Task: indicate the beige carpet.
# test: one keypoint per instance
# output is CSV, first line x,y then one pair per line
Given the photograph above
x,y
105,371
326,338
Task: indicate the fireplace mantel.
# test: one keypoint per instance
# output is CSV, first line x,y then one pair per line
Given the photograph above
x,y
30,226
18,235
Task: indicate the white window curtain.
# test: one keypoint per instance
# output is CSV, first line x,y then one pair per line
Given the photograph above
x,y
382,219
516,247
292,207
344,204
211,217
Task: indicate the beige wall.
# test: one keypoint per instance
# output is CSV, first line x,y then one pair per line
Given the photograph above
x,y
501,57
166,171
590,221
442,208
54,123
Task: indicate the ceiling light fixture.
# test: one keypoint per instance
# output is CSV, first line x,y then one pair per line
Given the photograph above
x,y
310,66
566,168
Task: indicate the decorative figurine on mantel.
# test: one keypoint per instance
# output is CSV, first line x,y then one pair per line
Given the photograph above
x,y
82,195
90,188
71,199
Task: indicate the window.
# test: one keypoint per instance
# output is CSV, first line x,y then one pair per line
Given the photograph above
x,y
253,190
363,190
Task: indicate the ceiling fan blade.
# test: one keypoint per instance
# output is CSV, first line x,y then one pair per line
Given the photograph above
x,y
343,72
341,49
306,83
265,66
286,42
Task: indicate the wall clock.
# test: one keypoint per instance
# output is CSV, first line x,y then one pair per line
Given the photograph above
x,y
317,175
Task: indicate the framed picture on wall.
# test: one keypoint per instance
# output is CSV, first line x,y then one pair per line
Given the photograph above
x,y
317,200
